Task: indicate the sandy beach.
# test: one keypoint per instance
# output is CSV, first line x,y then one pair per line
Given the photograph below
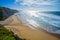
x,y
25,32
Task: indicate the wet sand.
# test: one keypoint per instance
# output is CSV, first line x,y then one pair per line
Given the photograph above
x,y
29,34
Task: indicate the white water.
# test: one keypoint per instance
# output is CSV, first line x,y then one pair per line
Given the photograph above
x,y
46,21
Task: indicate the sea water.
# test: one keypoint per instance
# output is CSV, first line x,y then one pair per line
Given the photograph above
x,y
49,20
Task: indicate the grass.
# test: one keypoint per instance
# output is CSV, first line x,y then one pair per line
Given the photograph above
x,y
7,35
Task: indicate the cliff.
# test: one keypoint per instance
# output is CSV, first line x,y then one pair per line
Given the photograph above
x,y
6,12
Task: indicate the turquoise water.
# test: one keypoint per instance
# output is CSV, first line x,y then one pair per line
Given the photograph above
x,y
49,21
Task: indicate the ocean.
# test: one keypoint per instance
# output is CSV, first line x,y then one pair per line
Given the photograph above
x,y
49,20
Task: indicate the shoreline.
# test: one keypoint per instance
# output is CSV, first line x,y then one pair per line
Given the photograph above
x,y
28,33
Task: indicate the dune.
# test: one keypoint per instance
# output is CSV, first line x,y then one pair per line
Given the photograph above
x,y
24,31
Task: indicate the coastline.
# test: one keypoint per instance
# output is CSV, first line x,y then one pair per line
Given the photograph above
x,y
25,32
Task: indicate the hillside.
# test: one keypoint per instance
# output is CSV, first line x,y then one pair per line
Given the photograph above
x,y
4,33
7,35
6,12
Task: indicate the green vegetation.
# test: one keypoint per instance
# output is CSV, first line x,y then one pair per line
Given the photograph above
x,y
7,35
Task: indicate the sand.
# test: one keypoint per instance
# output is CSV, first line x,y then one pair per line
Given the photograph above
x,y
25,32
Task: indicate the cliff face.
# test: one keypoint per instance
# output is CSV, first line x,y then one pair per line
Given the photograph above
x,y
6,12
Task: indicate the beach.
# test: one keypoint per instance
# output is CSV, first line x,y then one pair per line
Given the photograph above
x,y
24,31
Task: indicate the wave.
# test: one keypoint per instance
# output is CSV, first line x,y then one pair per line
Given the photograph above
x,y
48,21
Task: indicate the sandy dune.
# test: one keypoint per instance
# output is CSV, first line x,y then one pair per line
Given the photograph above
x,y
28,33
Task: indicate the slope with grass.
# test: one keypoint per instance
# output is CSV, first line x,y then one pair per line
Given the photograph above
x,y
7,35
